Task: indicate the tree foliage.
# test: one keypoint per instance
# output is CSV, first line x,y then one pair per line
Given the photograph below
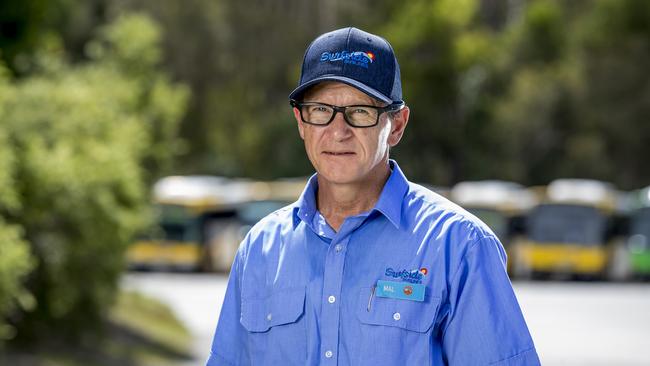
x,y
614,51
575,101
15,258
86,140
444,55
559,91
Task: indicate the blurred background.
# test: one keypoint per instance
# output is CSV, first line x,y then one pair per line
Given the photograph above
x,y
139,140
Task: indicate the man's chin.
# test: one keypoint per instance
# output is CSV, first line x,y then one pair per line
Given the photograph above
x,y
347,176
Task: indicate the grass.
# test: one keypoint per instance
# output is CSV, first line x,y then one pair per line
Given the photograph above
x,y
140,331
162,337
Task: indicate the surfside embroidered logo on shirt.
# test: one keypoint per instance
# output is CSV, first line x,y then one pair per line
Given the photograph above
x,y
400,290
412,276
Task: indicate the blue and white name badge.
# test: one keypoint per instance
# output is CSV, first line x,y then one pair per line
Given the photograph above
x,y
400,290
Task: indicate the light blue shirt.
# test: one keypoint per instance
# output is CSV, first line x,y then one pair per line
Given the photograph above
x,y
301,293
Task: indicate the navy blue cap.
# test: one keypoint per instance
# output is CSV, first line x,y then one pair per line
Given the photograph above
x,y
354,57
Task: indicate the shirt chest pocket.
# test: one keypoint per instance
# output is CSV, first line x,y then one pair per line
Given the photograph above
x,y
282,307
276,326
395,331
416,316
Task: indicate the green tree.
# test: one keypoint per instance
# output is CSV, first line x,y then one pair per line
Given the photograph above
x,y
575,101
24,24
15,259
534,112
613,46
445,54
87,140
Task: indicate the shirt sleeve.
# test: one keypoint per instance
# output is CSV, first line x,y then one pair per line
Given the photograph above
x,y
485,325
230,343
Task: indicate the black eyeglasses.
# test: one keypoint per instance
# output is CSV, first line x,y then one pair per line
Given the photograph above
x,y
360,116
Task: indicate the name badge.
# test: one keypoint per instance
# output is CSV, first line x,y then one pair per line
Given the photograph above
x,y
400,290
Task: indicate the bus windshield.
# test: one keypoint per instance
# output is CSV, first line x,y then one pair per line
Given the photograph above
x,y
176,223
567,224
641,223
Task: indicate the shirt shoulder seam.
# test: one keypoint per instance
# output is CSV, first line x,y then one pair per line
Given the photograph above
x,y
470,247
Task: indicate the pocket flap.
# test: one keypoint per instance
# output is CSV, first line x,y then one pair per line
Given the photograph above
x,y
417,316
283,306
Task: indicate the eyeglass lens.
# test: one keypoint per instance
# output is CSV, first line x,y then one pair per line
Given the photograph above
x,y
355,115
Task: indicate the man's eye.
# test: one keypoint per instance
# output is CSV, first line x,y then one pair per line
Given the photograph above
x,y
360,111
319,109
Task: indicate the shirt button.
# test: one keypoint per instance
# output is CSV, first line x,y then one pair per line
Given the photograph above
x,y
328,354
269,317
331,299
396,316
338,248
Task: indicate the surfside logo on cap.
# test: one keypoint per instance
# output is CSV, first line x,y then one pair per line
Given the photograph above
x,y
358,58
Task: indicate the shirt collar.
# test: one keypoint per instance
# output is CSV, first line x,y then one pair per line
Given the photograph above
x,y
392,196
305,207
389,203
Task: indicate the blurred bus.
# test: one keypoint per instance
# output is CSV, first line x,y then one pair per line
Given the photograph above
x,y
200,220
501,205
223,233
638,241
572,232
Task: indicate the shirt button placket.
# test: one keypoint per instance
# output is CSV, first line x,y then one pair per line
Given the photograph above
x,y
332,282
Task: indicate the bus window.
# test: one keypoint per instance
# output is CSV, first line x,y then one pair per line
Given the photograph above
x,y
567,224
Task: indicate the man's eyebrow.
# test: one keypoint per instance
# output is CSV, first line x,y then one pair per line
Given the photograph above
x,y
373,103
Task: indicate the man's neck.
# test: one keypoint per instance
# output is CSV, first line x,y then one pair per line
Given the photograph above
x,y
336,202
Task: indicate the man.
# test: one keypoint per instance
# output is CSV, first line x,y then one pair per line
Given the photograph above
x,y
366,268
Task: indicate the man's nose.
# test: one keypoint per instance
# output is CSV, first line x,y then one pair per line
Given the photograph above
x,y
339,128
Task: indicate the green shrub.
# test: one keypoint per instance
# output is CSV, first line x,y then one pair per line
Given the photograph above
x,y
86,140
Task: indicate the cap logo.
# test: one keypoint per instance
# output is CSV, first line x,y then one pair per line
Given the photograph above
x,y
358,58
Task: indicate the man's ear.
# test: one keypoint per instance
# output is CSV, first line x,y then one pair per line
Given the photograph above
x,y
301,127
399,121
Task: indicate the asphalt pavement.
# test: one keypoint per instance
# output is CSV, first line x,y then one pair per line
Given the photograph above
x,y
572,323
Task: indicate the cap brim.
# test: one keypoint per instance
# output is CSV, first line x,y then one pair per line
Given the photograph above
x,y
361,86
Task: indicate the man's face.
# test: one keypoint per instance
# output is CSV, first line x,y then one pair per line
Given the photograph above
x,y
343,154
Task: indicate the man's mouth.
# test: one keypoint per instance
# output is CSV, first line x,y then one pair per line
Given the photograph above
x,y
338,153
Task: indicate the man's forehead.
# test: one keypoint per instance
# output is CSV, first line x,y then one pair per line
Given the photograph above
x,y
327,87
